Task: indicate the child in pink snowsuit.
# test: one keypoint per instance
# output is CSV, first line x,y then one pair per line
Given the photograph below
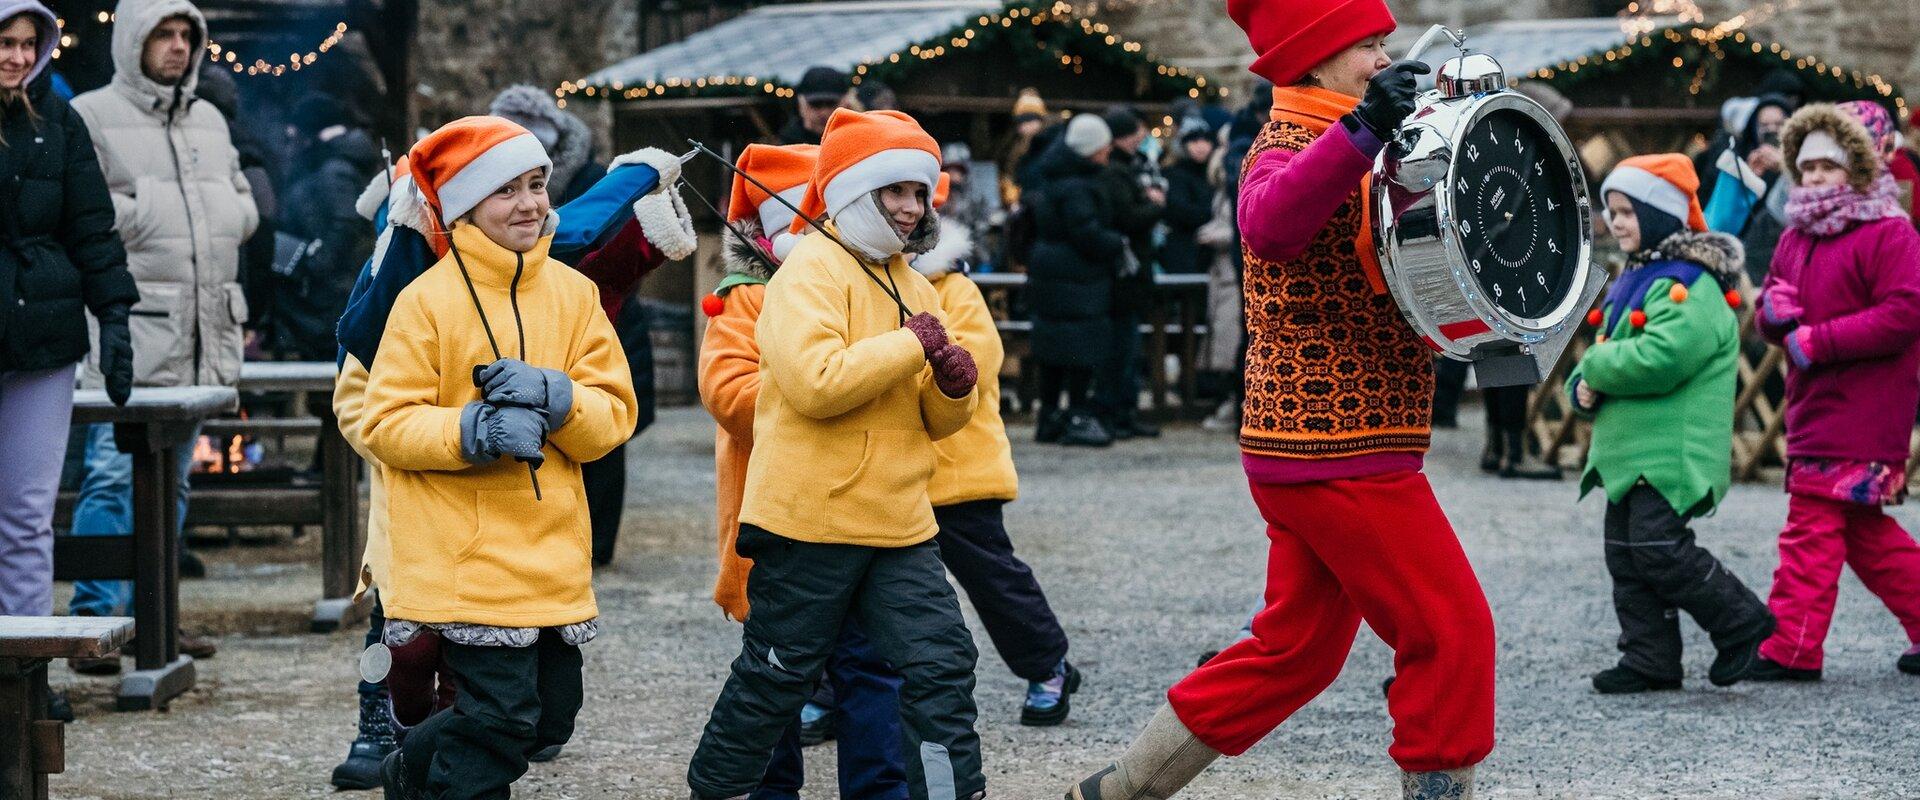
x,y
1843,299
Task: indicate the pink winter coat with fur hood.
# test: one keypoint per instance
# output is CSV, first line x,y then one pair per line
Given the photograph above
x,y
1846,305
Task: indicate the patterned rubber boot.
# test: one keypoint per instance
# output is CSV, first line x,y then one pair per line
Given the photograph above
x,y
1452,784
361,770
1163,759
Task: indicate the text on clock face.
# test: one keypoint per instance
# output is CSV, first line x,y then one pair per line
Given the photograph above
x,y
1512,215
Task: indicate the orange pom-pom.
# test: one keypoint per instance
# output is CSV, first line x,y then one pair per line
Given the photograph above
x,y
1601,339
1677,294
1733,298
1638,318
1594,317
714,305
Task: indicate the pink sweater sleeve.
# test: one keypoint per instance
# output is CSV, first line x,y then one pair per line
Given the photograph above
x,y
1286,197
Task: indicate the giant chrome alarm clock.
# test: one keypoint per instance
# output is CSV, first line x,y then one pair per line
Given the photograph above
x,y
1483,228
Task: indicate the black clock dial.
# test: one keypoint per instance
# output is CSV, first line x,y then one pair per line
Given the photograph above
x,y
1514,208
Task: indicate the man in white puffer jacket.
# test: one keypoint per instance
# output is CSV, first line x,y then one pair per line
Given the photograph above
x,y
182,208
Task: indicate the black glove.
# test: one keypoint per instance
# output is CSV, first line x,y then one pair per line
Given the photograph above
x,y
1389,99
116,353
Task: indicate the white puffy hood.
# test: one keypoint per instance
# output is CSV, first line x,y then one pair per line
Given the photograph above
x,y
134,20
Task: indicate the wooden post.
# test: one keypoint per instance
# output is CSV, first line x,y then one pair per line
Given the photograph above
x,y
23,684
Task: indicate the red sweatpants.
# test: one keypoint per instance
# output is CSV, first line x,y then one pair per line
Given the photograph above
x,y
1376,548
1821,536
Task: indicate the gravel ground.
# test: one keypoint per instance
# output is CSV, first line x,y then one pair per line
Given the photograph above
x,y
1151,553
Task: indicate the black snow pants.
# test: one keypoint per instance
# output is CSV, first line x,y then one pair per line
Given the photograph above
x,y
1658,570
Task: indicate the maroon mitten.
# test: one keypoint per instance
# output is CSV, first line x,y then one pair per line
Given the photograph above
x,y
931,333
954,371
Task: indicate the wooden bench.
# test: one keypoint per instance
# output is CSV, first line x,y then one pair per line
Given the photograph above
x,y
332,502
32,746
149,426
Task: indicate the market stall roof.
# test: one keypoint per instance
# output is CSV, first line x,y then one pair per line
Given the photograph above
x,y
1524,46
778,43
1653,61
763,53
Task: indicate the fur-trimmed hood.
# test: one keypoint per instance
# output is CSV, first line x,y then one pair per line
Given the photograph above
x,y
1721,254
949,253
1864,163
575,145
739,255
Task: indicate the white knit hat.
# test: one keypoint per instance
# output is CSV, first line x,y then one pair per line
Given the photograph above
x,y
1087,133
1820,144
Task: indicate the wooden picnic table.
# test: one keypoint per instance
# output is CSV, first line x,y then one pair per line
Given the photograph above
x,y
32,746
343,530
148,427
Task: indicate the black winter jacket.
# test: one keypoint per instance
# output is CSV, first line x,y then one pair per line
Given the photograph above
x,y
1070,280
333,240
1135,216
59,254
1189,206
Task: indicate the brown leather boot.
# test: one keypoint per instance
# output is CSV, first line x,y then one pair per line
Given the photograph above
x,y
1164,758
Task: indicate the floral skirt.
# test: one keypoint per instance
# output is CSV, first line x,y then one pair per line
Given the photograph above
x,y
1871,483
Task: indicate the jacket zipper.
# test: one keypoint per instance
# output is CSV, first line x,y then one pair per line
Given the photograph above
x,y
193,243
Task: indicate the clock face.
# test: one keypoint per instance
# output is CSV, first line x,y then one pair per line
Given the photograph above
x,y
1518,221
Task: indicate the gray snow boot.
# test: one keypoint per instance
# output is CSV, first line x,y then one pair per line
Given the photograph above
x,y
1164,758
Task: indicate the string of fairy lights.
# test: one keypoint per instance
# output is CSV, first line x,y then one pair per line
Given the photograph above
x,y
1696,48
1682,25
1030,23
227,57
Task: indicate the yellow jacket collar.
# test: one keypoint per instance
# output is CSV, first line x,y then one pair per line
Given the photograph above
x,y
489,264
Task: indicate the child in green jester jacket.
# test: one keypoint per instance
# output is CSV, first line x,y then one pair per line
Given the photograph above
x,y
1659,384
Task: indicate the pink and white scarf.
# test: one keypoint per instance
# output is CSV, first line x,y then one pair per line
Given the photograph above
x,y
1832,210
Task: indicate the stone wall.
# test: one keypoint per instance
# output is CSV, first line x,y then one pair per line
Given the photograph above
x,y
467,51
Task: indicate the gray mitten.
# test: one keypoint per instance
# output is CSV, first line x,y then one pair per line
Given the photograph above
x,y
473,429
517,432
512,382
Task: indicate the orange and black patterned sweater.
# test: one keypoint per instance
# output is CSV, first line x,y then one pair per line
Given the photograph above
x,y
1333,370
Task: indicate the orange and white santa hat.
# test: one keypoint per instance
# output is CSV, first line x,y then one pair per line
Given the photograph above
x,y
1665,181
786,169
862,151
457,166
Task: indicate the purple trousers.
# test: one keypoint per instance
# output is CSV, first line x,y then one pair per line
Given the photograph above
x,y
35,410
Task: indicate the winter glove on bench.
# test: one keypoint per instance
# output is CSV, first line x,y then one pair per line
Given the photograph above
x,y
927,328
954,371
1389,99
488,432
512,382
116,353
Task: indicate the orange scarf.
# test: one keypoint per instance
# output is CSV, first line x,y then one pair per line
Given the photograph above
x,y
1318,109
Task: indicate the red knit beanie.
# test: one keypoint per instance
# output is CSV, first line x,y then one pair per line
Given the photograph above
x,y
1293,36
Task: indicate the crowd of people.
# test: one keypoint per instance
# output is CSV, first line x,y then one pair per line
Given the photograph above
x,y
478,298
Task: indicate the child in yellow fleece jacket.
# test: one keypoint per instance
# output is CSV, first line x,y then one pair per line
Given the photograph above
x,y
498,376
973,480
855,387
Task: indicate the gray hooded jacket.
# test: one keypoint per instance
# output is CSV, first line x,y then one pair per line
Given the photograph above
x,y
180,204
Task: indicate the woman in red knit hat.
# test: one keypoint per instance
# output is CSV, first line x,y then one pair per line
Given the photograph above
x,y
1339,393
